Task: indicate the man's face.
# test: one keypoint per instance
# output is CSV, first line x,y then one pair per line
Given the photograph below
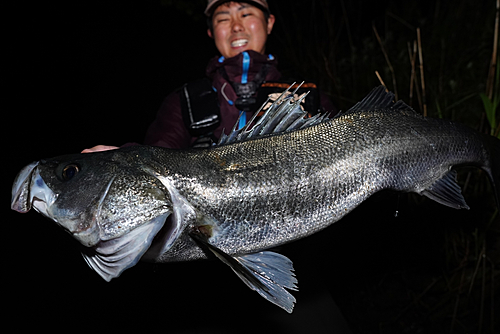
x,y
238,27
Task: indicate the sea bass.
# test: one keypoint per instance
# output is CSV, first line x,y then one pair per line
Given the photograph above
x,y
281,179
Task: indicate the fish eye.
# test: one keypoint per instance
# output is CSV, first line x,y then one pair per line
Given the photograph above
x,y
69,171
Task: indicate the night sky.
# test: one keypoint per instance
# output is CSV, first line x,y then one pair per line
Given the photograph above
x,y
82,73
100,72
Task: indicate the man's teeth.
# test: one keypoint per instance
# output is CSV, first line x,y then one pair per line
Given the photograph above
x,y
239,42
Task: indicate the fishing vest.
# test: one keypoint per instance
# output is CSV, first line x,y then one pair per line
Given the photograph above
x,y
201,109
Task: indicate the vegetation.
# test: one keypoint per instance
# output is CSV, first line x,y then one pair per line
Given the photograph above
x,y
441,58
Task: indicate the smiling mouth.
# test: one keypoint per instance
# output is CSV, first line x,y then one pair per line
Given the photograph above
x,y
239,42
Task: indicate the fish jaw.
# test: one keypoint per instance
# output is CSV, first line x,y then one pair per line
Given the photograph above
x,y
20,201
41,196
31,191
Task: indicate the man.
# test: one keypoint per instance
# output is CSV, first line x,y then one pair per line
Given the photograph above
x,y
236,84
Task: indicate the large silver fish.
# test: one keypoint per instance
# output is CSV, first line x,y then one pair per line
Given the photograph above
x,y
283,179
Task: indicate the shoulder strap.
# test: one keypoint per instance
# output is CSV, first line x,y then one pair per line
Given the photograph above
x,y
200,107
201,110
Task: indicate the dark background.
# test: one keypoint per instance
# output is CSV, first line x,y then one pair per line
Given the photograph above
x,y
82,73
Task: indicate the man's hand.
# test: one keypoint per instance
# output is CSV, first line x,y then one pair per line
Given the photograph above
x,y
99,148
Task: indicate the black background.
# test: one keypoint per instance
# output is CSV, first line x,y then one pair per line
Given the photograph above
x,y
80,74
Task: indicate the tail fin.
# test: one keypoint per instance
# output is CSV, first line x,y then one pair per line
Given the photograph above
x,y
493,166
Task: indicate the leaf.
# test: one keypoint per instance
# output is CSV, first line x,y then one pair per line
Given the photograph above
x,y
490,110
440,113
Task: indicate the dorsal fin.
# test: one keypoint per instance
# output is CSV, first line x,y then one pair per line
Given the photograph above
x,y
283,115
380,99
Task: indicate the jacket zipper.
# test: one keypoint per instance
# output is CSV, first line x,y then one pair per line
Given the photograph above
x,y
244,80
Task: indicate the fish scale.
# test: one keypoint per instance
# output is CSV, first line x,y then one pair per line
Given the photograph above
x,y
332,162
258,189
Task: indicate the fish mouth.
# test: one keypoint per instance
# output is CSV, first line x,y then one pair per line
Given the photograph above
x,y
21,197
41,196
30,191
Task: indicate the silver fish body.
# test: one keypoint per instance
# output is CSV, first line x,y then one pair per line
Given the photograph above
x,y
269,191
246,196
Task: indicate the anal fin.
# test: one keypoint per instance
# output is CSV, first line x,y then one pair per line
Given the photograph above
x,y
268,273
447,192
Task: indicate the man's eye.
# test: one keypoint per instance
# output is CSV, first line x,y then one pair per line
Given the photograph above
x,y
246,14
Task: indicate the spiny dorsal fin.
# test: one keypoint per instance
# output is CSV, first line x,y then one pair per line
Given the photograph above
x,y
380,99
283,115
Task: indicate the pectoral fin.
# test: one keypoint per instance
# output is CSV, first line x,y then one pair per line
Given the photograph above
x,y
268,273
110,258
447,192
183,214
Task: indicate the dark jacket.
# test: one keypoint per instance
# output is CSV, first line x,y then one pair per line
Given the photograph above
x,y
169,130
